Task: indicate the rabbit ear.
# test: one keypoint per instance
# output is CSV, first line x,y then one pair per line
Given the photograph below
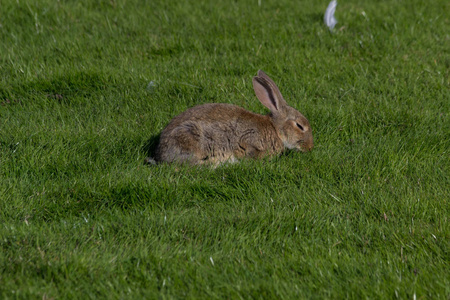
x,y
268,93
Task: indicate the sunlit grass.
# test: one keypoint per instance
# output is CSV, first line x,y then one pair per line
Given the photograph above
x,y
364,215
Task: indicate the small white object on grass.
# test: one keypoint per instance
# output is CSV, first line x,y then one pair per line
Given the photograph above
x,y
151,85
329,18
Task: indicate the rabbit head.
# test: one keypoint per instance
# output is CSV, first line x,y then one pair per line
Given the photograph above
x,y
292,127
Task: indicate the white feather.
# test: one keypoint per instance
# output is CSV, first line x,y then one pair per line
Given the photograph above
x,y
329,18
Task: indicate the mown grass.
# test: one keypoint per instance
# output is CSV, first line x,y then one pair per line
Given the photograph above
x,y
364,215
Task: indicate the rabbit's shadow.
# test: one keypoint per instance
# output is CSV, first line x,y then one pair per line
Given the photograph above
x,y
150,145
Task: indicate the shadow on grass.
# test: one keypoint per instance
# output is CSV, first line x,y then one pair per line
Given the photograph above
x,y
150,145
60,88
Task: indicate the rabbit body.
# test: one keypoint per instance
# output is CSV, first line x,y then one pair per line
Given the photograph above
x,y
216,133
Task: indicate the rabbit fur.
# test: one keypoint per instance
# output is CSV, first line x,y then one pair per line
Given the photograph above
x,y
215,133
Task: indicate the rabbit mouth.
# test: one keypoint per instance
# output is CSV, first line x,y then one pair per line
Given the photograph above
x,y
298,146
302,146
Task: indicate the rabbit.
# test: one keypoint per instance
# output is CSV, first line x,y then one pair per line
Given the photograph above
x,y
216,133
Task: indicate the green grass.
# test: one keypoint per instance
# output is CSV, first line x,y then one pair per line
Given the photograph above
x,y
364,215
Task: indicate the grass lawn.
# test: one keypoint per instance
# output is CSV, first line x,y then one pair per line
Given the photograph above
x,y
87,86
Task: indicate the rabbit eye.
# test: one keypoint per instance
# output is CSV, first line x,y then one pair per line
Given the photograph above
x,y
300,126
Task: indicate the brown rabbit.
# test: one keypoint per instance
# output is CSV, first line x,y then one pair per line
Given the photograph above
x,y
216,133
